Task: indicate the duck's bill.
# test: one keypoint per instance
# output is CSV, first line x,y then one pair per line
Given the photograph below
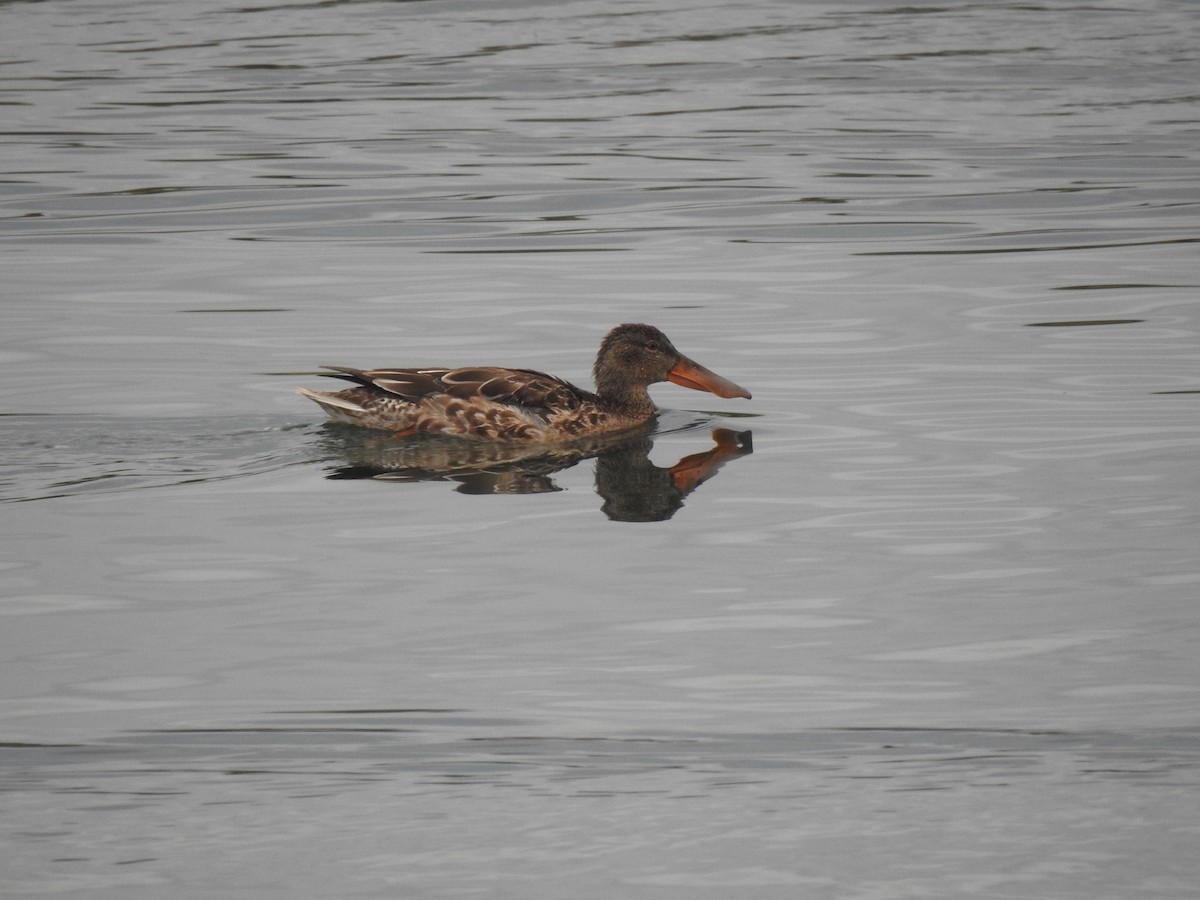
x,y
692,375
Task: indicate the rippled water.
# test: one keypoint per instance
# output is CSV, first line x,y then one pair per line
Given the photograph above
x,y
924,623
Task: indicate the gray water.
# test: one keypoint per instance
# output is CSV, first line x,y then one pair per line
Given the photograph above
x,y
934,629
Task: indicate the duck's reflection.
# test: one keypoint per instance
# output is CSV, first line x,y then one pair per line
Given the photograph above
x,y
634,489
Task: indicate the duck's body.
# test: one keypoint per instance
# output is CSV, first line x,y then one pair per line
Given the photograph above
x,y
497,404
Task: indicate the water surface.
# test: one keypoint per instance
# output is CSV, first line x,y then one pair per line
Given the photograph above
x,y
935,636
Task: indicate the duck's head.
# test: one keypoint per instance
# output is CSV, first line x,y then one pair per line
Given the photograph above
x,y
634,356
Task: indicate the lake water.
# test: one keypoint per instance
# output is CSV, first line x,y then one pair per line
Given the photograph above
x,y
937,635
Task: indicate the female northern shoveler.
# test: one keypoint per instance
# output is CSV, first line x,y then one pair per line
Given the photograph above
x,y
493,404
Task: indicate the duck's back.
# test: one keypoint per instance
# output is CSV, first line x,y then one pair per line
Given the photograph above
x,y
478,402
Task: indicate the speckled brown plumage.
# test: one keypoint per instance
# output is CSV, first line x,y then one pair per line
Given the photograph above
x,y
497,404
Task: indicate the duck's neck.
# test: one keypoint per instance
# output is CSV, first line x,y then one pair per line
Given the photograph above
x,y
616,392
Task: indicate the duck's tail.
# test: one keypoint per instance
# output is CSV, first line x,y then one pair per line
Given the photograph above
x,y
338,407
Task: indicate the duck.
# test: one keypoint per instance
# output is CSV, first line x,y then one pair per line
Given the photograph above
x,y
490,403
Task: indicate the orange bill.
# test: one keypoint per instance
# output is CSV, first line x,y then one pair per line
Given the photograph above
x,y
692,375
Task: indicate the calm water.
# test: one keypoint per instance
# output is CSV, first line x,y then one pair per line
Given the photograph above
x,y
931,626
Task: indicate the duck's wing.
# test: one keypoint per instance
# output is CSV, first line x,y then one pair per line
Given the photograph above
x,y
515,387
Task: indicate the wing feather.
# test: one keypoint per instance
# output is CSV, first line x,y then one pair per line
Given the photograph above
x,y
516,387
